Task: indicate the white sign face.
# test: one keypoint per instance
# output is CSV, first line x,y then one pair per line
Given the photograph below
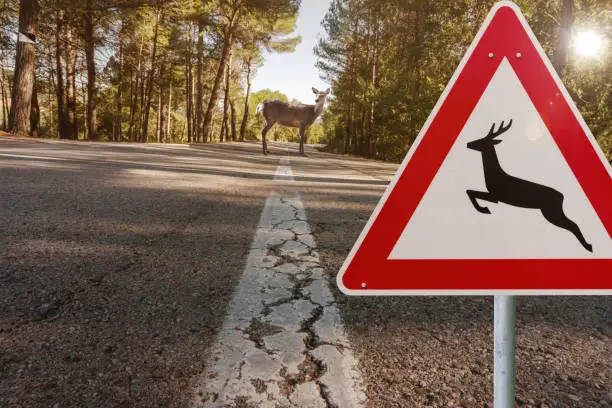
x,y
525,151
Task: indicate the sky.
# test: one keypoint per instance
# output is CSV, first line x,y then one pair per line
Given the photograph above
x,y
294,74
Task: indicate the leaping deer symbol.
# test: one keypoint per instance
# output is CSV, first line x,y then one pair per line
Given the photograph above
x,y
517,192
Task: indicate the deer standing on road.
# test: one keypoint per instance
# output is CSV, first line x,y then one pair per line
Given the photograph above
x,y
517,192
290,114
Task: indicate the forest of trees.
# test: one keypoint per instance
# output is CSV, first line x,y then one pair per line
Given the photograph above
x,y
138,71
181,70
389,61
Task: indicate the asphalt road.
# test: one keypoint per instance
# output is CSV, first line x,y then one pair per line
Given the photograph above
x,y
118,263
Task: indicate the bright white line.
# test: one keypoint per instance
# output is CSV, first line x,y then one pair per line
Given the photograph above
x,y
283,341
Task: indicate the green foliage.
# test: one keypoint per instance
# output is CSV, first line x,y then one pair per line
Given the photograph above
x,y
390,61
135,82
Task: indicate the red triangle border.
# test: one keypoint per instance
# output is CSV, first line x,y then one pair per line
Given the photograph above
x,y
367,271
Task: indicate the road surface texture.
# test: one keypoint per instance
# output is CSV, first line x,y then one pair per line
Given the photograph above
x,y
121,268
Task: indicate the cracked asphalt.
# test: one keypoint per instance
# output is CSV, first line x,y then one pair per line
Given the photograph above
x,y
283,342
122,269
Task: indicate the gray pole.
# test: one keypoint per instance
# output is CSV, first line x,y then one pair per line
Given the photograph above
x,y
504,334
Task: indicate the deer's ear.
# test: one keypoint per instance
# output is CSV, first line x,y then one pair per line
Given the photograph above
x,y
315,90
496,141
327,91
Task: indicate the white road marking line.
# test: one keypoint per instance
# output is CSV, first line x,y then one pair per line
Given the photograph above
x,y
23,156
283,342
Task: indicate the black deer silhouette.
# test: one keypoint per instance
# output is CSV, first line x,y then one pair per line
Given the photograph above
x,y
517,192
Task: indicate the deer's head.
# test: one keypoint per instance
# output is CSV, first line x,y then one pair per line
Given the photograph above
x,y
489,140
320,96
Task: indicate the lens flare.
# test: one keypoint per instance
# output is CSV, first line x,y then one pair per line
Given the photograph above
x,y
588,44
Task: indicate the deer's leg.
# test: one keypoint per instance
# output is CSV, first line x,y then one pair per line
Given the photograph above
x,y
556,216
264,131
481,195
302,139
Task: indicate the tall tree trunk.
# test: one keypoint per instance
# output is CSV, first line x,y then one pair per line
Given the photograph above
x,y
162,104
214,94
50,86
151,78
371,146
187,101
362,138
233,109
159,115
5,86
134,91
169,120
199,134
34,111
83,97
245,117
59,89
25,61
559,59
3,96
70,110
188,89
162,118
228,43
209,135
143,81
349,128
226,97
91,72
118,116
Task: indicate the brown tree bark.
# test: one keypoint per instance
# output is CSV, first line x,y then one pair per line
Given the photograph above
x,y
118,134
159,116
161,130
59,89
349,128
70,114
23,78
151,79
91,72
5,86
559,58
3,95
233,110
188,93
169,119
34,111
226,97
372,139
228,43
143,80
245,116
134,92
199,134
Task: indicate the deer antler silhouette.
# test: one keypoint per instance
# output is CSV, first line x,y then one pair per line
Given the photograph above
x,y
517,192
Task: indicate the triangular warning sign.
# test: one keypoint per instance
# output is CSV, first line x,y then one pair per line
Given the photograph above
x,y
504,191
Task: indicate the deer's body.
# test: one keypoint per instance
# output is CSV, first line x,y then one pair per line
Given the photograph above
x,y
289,114
513,190
504,188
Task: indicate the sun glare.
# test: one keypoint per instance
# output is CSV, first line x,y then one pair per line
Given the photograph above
x,y
588,44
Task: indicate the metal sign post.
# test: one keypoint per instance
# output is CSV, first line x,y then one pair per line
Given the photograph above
x,y
504,349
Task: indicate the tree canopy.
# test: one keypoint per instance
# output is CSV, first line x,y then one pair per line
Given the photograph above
x,y
389,62
181,70
138,71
